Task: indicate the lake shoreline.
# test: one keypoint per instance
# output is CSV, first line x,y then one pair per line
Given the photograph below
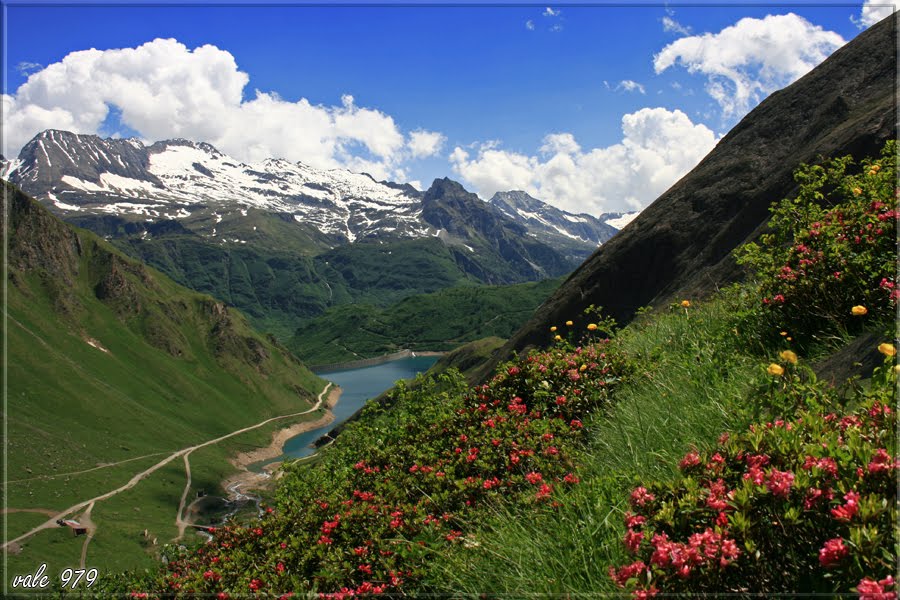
x,y
244,477
372,362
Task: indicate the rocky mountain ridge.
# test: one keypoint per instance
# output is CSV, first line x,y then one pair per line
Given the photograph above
x,y
577,235
192,182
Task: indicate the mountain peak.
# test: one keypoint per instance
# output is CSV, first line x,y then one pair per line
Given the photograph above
x,y
444,186
579,234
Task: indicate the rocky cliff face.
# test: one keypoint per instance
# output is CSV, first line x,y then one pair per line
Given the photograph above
x,y
577,236
479,232
680,245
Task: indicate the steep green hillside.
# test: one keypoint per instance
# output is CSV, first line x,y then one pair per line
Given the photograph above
x,y
467,358
442,320
109,361
384,272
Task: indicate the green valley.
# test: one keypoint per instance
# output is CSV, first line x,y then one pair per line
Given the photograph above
x,y
439,321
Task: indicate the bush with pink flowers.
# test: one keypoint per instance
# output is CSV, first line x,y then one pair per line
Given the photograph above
x,y
402,485
803,503
829,264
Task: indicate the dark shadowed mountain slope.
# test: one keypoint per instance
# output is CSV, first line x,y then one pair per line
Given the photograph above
x,y
681,244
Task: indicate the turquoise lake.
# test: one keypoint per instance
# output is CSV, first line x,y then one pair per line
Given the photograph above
x,y
358,385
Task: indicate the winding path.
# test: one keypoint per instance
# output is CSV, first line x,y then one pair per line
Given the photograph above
x,y
143,474
88,524
103,466
180,520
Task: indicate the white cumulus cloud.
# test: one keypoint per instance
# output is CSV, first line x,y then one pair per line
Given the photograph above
x,y
658,147
549,12
165,90
874,11
425,143
752,58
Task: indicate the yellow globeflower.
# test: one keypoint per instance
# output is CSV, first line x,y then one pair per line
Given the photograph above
x,y
775,369
686,303
558,338
592,327
569,323
887,349
875,169
857,191
858,310
789,356
783,333
553,328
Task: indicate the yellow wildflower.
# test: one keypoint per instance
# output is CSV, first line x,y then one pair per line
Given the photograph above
x,y
857,191
775,369
897,369
569,323
783,333
874,169
789,356
858,310
685,303
887,349
558,338
592,327
553,328
583,368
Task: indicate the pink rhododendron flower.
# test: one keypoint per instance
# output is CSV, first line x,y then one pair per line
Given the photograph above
x,y
640,496
870,589
833,552
779,483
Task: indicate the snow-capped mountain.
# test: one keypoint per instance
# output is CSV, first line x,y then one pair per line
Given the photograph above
x,y
174,178
578,234
193,183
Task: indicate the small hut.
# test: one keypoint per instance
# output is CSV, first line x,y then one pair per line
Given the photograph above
x,y
76,527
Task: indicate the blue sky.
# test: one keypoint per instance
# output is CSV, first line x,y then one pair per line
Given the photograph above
x,y
592,108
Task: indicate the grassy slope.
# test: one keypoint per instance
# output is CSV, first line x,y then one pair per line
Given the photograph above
x,y
698,381
180,369
696,376
439,321
467,357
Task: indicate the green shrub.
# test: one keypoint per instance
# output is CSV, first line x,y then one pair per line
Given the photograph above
x,y
804,504
829,265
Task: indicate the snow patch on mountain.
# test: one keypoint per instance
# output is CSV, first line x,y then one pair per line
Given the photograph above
x,y
622,221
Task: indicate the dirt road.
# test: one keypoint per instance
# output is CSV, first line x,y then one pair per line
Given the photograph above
x,y
143,474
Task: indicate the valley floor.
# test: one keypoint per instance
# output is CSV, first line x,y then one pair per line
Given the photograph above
x,y
18,546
